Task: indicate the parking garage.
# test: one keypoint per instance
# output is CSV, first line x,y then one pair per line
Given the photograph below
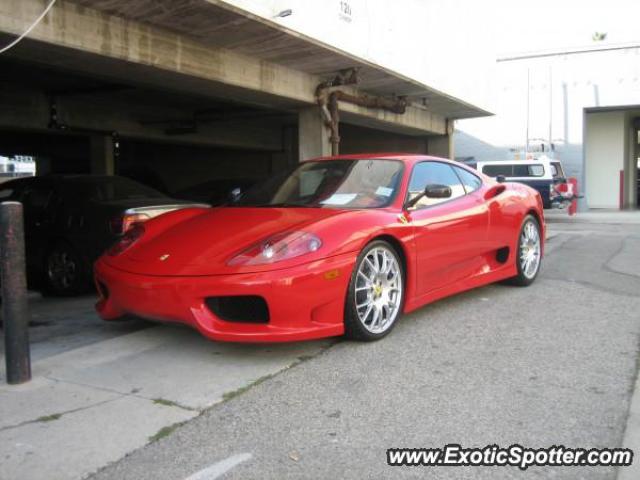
x,y
100,87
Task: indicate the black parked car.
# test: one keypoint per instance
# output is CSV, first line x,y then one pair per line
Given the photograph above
x,y
214,192
69,220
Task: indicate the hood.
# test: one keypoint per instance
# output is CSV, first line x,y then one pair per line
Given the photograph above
x,y
203,245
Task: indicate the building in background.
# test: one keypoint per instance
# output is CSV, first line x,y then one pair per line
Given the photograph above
x,y
580,105
17,166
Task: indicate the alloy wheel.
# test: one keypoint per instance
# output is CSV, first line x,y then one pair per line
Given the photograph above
x,y
378,290
62,270
530,249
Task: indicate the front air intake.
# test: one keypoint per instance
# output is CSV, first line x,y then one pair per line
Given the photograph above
x,y
242,309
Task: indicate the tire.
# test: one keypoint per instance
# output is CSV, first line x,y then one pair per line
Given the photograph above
x,y
65,271
529,247
375,300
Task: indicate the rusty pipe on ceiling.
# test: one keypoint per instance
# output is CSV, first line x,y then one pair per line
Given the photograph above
x,y
328,96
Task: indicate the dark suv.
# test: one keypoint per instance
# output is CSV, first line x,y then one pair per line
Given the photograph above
x,y
69,220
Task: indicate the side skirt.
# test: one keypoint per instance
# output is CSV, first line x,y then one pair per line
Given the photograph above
x,y
461,286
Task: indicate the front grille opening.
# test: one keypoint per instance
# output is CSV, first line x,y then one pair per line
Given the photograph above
x,y
244,309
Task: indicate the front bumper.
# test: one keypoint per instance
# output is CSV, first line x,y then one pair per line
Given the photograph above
x,y
304,302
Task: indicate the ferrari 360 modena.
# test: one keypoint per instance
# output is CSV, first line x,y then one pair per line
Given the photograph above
x,y
336,246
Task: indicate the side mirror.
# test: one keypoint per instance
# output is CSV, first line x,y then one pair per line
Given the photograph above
x,y
501,179
235,194
437,191
430,191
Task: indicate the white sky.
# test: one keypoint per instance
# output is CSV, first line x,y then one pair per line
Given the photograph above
x,y
550,24
452,45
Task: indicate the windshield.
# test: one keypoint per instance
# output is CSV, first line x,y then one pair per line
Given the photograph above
x,y
106,189
329,183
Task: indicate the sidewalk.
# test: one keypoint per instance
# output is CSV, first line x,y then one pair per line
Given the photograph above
x,y
609,217
100,390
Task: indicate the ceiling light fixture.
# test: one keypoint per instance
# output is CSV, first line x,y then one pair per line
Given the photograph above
x,y
284,13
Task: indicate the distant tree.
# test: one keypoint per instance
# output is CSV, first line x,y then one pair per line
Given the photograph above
x,y
599,36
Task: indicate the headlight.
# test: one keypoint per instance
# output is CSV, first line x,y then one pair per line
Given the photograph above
x,y
277,248
128,239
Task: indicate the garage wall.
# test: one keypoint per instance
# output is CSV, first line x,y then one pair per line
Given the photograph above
x,y
171,167
605,151
356,139
54,152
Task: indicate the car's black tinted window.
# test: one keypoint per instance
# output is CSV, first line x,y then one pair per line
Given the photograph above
x,y
36,200
106,189
556,170
528,170
469,180
6,193
495,170
433,173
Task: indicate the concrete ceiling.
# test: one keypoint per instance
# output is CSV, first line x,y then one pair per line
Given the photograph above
x,y
218,24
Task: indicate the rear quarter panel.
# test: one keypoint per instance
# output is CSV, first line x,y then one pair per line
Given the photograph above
x,y
507,211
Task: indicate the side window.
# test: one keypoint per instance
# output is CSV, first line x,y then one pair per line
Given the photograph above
x,y
5,193
434,173
556,169
470,182
35,200
528,170
495,170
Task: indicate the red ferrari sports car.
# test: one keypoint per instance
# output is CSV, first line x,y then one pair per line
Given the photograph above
x,y
339,245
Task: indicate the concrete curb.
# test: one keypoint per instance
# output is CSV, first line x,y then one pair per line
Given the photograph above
x,y
632,436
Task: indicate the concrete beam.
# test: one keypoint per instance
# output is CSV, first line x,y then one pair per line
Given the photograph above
x,y
26,108
88,40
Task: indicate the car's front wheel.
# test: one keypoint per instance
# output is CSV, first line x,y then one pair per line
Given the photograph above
x,y
529,254
376,293
65,271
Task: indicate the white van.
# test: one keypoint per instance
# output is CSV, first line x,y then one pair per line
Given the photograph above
x,y
543,174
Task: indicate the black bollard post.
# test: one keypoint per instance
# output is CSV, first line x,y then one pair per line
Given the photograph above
x,y
15,313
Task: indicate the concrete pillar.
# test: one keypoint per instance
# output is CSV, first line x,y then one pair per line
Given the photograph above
x,y
43,165
102,155
441,146
313,136
631,165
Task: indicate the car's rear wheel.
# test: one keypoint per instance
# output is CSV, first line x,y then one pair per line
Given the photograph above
x,y
376,293
65,271
529,254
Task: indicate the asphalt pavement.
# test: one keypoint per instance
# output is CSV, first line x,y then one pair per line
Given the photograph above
x,y
550,364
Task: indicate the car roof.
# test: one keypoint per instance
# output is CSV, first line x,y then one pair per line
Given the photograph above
x,y
404,157
540,161
50,180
